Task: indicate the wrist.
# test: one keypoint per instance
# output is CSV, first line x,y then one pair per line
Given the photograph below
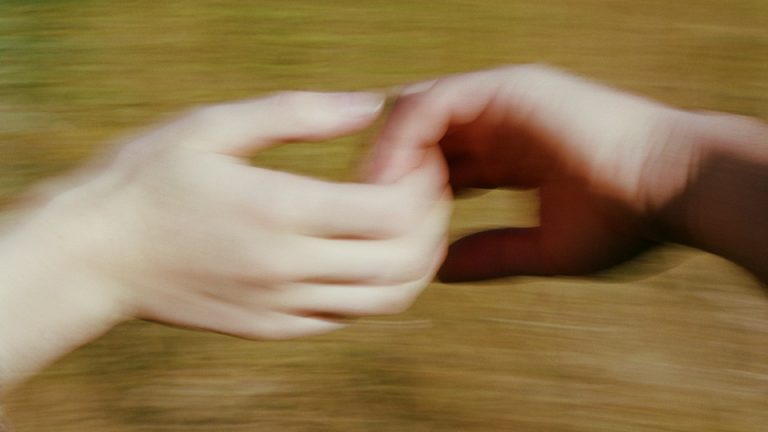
x,y
51,300
723,203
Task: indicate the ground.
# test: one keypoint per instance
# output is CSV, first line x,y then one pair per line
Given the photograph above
x,y
675,341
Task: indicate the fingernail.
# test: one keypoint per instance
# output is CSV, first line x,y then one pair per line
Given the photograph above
x,y
362,104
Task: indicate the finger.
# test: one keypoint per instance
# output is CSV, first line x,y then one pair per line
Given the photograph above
x,y
327,209
528,96
232,319
241,128
275,325
395,260
355,300
419,120
496,253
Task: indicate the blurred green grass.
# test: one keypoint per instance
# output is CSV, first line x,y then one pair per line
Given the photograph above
x,y
675,341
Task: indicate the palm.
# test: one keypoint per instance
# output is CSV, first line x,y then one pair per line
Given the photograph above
x,y
580,231
595,154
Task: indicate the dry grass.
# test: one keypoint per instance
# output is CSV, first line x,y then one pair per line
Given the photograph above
x,y
676,341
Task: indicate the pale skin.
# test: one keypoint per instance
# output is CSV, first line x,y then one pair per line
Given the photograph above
x,y
615,172
177,227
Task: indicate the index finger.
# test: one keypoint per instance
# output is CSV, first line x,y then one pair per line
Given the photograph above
x,y
243,128
320,208
421,115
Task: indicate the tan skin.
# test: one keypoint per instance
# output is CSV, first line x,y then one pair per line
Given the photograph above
x,y
580,231
615,172
276,257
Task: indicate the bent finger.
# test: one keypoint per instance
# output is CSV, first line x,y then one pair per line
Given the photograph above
x,y
420,119
394,260
495,253
218,316
354,300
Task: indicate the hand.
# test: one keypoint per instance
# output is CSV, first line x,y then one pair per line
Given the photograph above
x,y
178,228
208,241
599,158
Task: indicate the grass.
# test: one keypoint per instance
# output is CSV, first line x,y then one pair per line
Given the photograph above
x,y
672,342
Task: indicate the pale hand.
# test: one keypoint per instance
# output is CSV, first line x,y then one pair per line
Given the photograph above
x,y
177,227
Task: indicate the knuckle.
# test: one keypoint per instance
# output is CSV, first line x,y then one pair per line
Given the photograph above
x,y
393,302
404,210
278,267
422,265
272,266
532,69
401,220
207,116
413,263
284,212
267,331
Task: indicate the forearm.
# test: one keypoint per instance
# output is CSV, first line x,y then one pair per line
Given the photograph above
x,y
724,207
48,302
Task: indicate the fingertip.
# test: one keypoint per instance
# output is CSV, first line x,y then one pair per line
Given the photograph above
x,y
356,105
321,324
333,114
296,326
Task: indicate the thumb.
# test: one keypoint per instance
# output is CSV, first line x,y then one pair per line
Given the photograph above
x,y
496,253
242,128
